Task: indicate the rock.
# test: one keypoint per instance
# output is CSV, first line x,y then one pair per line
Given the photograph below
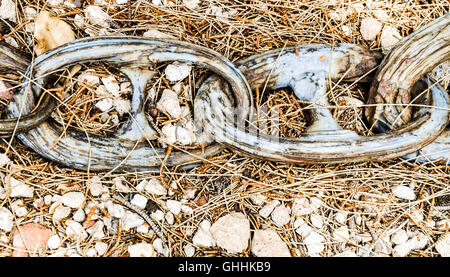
x,y
51,32
101,247
6,93
370,28
281,215
191,4
314,243
258,199
6,219
389,37
267,209
104,105
155,187
139,200
91,252
120,184
18,208
30,239
169,103
158,215
186,209
416,215
154,33
79,215
53,242
169,134
169,218
8,10
341,234
131,220
302,228
232,232
112,85
267,243
301,206
20,189
203,235
95,186
159,247
79,21
115,210
122,106
141,250
316,220
404,192
60,213
189,250
174,206
4,160
96,231
399,237
185,136
73,199
143,229
72,3
74,228
341,217
97,16
443,245
177,71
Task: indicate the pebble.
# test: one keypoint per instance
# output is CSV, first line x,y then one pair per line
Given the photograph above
x,y
96,15
79,215
186,209
443,225
258,199
316,220
169,134
267,243
155,187
159,247
266,210
174,206
20,189
51,32
60,212
96,231
404,192
170,219
399,237
158,215
53,242
154,33
101,247
281,215
79,21
131,220
75,228
203,235
91,252
177,71
191,4
443,245
120,184
95,186
389,37
370,28
104,105
8,10
18,208
6,219
301,206
232,232
115,210
341,234
141,250
6,93
47,199
189,250
139,200
314,243
340,217
73,199
169,103
302,228
4,160
30,239
122,106
112,85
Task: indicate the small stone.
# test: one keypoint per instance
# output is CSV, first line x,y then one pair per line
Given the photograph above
x,y
74,228
301,206
302,228
6,93
314,243
281,216
177,71
96,15
155,187
95,186
443,225
72,3
120,184
154,33
159,247
96,231
316,220
53,242
389,37
169,218
169,134
141,250
131,220
20,189
258,199
416,215
399,237
404,192
443,245
185,136
60,213
186,209
18,208
341,234
191,4
267,243
79,21
266,210
143,229
169,103
79,215
122,106
101,247
6,219
139,200
370,28
30,239
91,252
104,105
174,206
158,215
232,232
115,210
203,235
51,32
341,217
8,10
73,199
189,250
112,85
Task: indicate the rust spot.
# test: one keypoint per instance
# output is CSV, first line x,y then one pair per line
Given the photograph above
x,y
322,58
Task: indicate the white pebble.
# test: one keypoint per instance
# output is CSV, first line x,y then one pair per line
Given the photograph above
x,y
267,243
169,103
281,215
232,232
120,184
20,189
157,215
122,106
8,10
91,252
301,206
96,231
399,237
302,228
141,250
79,21
258,199
53,242
443,245
266,210
79,215
6,219
4,160
112,85
189,250
47,199
389,37
169,134
341,217
60,212
185,136
155,187
341,234
314,243
131,220
174,206
73,199
95,186
159,247
316,220
191,4
101,247
104,105
404,192
177,71
154,33
186,209
18,208
75,228
169,218
139,200
370,27
203,235
115,210
96,15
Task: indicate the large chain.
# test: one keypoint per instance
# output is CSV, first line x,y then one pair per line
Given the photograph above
x,y
223,107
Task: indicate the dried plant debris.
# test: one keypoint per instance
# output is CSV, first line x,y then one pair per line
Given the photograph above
x,y
229,204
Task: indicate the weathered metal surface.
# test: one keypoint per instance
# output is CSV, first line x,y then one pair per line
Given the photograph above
x,y
306,70
16,62
409,61
129,148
